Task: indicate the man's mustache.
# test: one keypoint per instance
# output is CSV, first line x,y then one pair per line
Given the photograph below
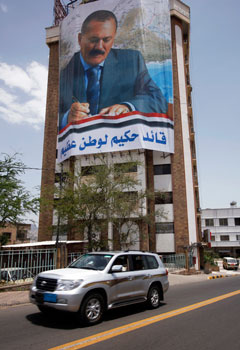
x,y
96,52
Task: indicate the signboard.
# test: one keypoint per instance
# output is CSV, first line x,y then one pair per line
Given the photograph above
x,y
116,90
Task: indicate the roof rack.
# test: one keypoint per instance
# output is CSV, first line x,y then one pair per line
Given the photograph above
x,y
134,250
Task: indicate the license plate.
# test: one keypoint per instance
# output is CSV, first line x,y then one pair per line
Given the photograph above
x,y
51,298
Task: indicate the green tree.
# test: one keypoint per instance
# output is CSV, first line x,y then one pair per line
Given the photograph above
x,y
15,200
99,196
210,256
3,240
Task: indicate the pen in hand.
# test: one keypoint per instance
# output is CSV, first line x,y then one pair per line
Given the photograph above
x,y
74,99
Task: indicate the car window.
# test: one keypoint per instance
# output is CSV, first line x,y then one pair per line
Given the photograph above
x,y
92,261
138,262
122,260
152,262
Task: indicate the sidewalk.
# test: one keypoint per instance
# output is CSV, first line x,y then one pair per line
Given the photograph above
x,y
175,279
13,298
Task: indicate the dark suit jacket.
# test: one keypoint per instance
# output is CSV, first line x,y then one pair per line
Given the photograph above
x,y
124,78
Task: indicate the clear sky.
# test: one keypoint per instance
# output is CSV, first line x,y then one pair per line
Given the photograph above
x,y
215,78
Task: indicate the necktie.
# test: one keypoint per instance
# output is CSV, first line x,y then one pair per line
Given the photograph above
x,y
93,89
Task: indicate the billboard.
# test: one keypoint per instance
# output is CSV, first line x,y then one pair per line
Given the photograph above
x,y
116,90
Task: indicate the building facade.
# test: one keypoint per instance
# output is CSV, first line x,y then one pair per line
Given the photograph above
x,y
223,225
175,175
18,233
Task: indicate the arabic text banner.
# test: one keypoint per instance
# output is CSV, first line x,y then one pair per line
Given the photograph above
x,y
110,134
129,106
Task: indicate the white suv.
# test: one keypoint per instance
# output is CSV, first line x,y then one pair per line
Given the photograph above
x,y
99,281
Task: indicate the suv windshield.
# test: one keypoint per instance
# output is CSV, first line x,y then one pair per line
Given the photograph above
x,y
92,261
231,261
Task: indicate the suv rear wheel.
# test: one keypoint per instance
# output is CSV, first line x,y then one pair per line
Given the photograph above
x,y
154,297
92,309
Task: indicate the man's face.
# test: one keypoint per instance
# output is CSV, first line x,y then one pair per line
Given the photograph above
x,y
97,41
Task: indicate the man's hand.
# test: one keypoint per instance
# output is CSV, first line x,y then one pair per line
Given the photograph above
x,y
78,111
114,110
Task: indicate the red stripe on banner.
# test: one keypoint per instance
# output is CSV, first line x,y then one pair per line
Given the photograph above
x,y
117,117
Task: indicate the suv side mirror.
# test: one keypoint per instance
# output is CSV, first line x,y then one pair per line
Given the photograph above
x,y
117,268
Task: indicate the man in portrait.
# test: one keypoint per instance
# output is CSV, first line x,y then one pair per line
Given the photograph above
x,y
105,81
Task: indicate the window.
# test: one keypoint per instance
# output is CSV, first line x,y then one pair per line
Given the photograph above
x,y
223,222
125,168
129,196
8,235
91,169
238,237
138,262
162,169
237,221
212,238
209,222
164,227
152,262
124,261
61,229
21,235
92,261
58,177
164,198
55,203
224,238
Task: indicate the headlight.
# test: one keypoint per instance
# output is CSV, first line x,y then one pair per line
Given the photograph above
x,y
68,284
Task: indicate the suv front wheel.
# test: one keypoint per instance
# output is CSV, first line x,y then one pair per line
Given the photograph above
x,y
154,297
92,309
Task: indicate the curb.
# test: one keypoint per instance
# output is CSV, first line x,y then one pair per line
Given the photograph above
x,y
220,276
16,287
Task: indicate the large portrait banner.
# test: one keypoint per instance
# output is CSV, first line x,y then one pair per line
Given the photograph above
x,y
116,90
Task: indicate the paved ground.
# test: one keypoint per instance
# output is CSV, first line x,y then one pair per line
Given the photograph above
x,y
15,298
183,279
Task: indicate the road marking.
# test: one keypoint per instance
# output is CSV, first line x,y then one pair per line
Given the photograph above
x,y
96,338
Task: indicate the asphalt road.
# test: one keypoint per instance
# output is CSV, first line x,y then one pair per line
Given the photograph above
x,y
214,324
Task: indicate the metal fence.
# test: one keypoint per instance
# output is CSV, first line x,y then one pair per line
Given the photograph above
x,y
22,265
177,261
18,265
73,256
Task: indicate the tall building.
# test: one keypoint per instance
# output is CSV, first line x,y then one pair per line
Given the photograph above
x,y
174,174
